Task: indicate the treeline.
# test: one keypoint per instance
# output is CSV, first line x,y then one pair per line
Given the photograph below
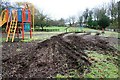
x,y
99,17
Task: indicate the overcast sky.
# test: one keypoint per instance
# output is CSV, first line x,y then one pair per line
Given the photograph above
x,y
64,8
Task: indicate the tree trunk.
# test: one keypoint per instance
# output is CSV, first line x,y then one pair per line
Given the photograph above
x,y
119,15
42,27
70,24
103,30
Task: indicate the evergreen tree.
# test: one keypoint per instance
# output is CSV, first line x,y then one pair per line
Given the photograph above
x,y
104,22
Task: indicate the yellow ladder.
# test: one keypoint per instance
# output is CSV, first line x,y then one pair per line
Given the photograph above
x,y
9,18
12,28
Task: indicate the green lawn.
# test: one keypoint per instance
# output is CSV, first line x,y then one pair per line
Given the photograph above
x,y
63,29
59,29
78,29
40,36
46,35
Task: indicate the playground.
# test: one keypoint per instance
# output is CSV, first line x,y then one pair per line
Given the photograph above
x,y
57,52
16,21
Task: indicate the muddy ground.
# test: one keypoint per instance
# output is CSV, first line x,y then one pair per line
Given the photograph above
x,y
52,56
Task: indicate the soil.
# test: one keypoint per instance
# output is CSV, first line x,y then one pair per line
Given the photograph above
x,y
52,56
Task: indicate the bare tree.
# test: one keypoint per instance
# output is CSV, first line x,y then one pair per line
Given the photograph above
x,y
96,13
80,20
85,15
119,14
113,11
73,20
69,21
90,13
61,22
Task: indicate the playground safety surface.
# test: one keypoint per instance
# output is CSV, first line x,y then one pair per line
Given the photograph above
x,y
53,56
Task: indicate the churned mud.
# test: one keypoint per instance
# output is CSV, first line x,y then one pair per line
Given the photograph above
x,y
52,56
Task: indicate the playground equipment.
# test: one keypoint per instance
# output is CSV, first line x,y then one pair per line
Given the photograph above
x,y
18,20
3,17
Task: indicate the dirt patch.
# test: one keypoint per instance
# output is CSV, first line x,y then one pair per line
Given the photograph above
x,y
52,56
11,49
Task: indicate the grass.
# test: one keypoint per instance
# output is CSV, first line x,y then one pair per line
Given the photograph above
x,y
40,36
103,70
70,29
72,74
111,34
2,40
78,29
46,35
104,66
60,29
35,36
